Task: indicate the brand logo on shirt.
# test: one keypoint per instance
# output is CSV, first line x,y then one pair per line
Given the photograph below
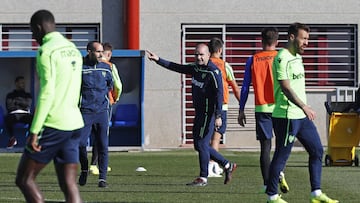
x,y
298,76
103,73
197,83
69,53
73,63
264,58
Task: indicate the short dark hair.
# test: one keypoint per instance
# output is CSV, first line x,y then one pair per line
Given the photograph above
x,y
269,35
90,45
215,44
41,16
107,46
295,27
18,78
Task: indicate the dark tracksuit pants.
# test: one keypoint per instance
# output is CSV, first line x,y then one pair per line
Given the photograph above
x,y
203,130
101,121
285,132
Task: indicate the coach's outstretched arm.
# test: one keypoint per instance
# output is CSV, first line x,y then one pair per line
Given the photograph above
x,y
152,56
185,69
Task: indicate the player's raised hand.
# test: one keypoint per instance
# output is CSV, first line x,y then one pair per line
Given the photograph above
x,y
152,56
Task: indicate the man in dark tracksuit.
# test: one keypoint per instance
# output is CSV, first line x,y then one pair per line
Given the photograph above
x,y
207,95
96,83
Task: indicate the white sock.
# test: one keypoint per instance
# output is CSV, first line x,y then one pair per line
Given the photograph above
x,y
273,197
227,165
282,174
316,193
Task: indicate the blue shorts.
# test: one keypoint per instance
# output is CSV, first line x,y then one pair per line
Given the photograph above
x,y
264,126
222,129
58,145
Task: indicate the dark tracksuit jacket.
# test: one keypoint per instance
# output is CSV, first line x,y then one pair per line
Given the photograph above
x,y
96,83
207,93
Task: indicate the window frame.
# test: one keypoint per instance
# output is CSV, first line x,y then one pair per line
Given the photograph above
x,y
317,54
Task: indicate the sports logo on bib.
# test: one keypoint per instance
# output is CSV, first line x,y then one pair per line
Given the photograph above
x,y
291,138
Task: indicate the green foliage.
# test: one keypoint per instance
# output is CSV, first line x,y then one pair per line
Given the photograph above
x,y
169,171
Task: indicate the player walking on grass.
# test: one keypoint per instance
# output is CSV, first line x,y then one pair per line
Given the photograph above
x,y
96,83
228,79
207,95
114,96
292,117
258,71
54,133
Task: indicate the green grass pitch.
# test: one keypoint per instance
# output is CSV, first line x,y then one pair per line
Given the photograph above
x,y
169,171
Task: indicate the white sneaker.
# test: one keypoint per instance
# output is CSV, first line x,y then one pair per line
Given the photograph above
x,y
217,169
214,175
211,169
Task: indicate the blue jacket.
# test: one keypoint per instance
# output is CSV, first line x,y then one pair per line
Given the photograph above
x,y
96,83
207,88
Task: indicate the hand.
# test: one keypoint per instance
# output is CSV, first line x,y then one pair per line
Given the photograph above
x,y
32,143
310,113
242,118
218,123
152,56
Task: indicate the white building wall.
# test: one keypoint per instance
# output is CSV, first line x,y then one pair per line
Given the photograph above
x,y
65,11
160,31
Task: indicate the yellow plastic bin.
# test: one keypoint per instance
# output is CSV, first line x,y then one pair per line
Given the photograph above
x,y
344,137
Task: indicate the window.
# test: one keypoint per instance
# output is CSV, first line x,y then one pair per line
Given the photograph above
x,y
330,59
18,37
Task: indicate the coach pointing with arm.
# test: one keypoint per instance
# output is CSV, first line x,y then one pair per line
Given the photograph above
x,y
207,95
